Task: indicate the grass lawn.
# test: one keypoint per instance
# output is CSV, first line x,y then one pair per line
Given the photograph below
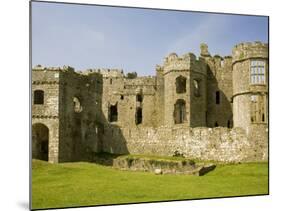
x,y
82,184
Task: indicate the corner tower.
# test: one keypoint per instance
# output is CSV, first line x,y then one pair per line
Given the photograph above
x,y
184,90
250,87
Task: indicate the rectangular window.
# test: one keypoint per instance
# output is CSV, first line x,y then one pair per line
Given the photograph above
x,y
257,72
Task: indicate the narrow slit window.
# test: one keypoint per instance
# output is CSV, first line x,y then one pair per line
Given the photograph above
x,y
138,116
139,98
217,97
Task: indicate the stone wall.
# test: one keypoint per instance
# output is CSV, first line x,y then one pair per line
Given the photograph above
x,y
47,113
77,108
81,118
219,80
198,98
218,144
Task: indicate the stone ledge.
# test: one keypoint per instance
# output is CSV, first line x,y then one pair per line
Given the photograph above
x,y
44,117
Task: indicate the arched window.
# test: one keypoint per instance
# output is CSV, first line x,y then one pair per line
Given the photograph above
x,y
77,105
180,84
38,97
179,111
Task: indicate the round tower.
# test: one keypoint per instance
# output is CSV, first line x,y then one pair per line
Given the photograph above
x,y
250,86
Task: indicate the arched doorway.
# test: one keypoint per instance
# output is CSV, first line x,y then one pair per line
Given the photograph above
x,y
40,141
179,111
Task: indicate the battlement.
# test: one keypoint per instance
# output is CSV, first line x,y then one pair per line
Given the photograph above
x,y
64,68
249,50
245,45
175,62
141,81
106,72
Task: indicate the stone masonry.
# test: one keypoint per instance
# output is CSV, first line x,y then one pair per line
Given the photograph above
x,y
209,108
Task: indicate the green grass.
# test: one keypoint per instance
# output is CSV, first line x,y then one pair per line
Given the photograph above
x,y
82,184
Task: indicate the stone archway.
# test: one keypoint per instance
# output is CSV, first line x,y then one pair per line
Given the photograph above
x,y
40,141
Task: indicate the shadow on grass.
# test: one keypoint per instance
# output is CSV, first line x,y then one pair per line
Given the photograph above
x,y
104,158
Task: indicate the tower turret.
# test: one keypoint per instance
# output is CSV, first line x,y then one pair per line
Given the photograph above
x,y
250,86
184,90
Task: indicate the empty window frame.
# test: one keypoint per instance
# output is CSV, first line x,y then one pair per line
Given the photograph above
x,y
180,84
77,105
196,86
38,97
113,113
257,72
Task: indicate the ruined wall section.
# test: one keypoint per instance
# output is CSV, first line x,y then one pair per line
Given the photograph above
x,y
219,82
47,113
145,87
198,93
113,85
159,98
80,120
218,144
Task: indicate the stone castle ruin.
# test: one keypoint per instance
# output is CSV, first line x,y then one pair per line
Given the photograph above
x,y
210,108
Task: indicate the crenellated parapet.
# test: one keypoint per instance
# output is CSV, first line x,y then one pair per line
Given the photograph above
x,y
106,72
175,63
64,68
186,62
249,50
147,85
62,75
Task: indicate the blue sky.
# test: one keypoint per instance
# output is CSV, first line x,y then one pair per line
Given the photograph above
x,y
132,39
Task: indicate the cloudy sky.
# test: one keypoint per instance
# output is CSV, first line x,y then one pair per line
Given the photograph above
x,y
132,39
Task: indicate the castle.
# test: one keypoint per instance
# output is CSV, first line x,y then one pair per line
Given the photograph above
x,y
210,108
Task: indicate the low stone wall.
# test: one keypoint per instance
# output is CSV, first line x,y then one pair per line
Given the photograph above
x,y
218,144
160,166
